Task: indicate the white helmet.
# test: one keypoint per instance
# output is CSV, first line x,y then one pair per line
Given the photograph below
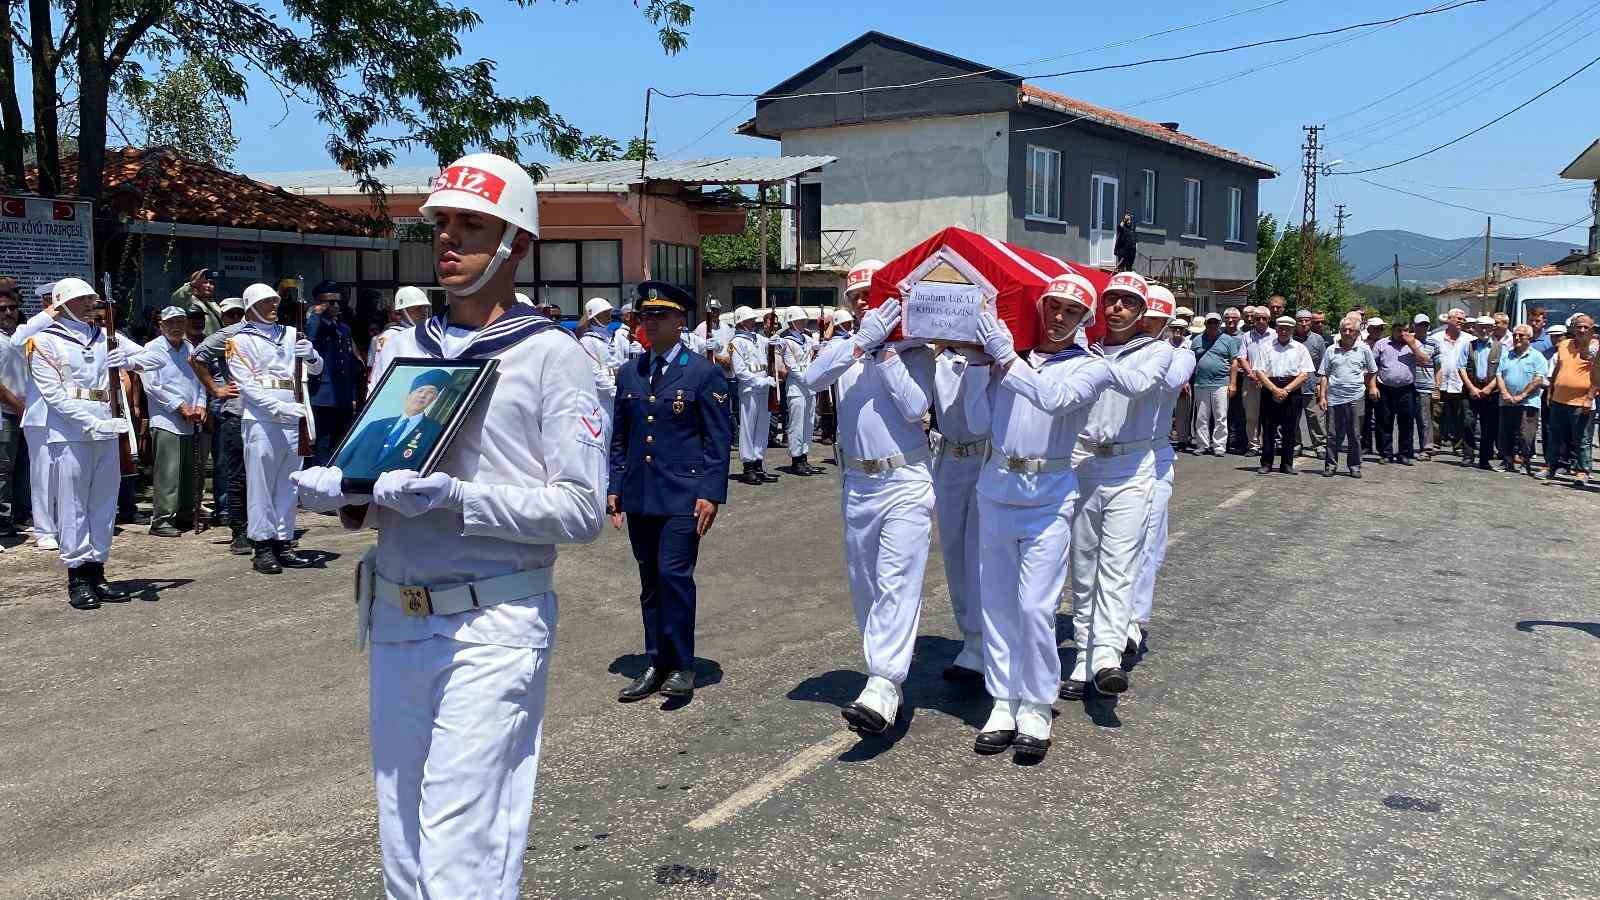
x,y
494,186
1129,283
70,289
256,293
841,316
595,307
860,277
795,314
1074,287
1159,304
232,303
745,314
410,297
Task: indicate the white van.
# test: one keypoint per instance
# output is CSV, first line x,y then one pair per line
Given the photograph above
x,y
1560,295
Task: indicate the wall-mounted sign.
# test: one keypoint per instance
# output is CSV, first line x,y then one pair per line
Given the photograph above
x,y
239,261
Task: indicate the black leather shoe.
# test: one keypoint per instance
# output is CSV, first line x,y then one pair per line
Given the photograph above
x,y
863,720
288,558
679,685
1072,689
962,674
1264,470
1111,680
750,477
96,574
814,470
1030,747
1327,471
648,682
240,546
989,743
80,590
1406,461
1356,472
1287,470
266,562
164,531
763,474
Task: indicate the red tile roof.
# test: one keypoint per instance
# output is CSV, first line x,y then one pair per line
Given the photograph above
x,y
160,185
1038,96
1496,279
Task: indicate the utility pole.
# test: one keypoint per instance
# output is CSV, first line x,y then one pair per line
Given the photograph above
x,y
1397,303
1339,218
1488,238
1308,216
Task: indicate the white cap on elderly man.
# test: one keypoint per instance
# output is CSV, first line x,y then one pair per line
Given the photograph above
x,y
1178,323
233,303
173,312
1213,317
1184,312
1285,320
1197,327
1302,314
1376,322
1483,320
1420,318
1556,330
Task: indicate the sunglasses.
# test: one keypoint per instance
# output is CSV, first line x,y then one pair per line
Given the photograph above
x,y
1127,300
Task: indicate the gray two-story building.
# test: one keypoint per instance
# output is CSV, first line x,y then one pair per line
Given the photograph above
x,y
925,140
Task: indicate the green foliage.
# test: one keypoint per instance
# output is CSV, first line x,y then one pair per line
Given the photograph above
x,y
1278,270
1381,300
186,108
599,148
742,252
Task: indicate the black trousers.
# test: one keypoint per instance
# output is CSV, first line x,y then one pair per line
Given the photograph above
x,y
1238,440
666,548
1455,421
1280,424
332,423
230,433
1397,414
1487,411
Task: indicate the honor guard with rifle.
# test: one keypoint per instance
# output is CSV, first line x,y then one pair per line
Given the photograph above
x,y
669,476
177,417
261,359
798,347
459,591
75,370
41,478
749,351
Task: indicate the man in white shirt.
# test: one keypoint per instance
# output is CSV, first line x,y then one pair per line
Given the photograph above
x,y
796,348
883,392
1115,462
177,405
459,590
1035,406
1280,371
1252,344
749,351
960,445
1455,412
1175,383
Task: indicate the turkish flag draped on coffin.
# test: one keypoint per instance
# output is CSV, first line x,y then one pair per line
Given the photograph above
x,y
1017,275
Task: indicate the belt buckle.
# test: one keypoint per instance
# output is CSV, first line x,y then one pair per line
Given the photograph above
x,y
417,600
1104,449
1017,464
871,466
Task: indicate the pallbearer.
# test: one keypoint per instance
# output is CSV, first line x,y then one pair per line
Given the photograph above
x,y
1156,316
960,444
798,348
749,351
1116,464
1036,407
177,406
883,391
261,361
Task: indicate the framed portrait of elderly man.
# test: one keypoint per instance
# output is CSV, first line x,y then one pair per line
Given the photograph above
x,y
410,418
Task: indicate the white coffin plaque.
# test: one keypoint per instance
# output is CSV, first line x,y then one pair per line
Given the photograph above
x,y
938,311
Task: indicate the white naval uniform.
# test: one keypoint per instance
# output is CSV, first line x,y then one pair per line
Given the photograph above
x,y
1178,374
603,364
623,346
1027,492
888,513
1115,463
41,472
797,348
261,362
959,445
67,362
457,701
750,373
381,354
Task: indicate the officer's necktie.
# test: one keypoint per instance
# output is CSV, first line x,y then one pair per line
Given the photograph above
x,y
655,372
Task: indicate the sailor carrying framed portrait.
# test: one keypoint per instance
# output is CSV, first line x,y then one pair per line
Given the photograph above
x,y
410,418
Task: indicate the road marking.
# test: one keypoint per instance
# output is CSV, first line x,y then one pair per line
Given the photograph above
x,y
769,784
1237,499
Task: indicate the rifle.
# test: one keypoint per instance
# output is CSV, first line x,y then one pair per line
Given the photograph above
x,y
127,459
305,445
773,403
198,466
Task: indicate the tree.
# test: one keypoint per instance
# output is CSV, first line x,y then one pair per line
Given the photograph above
x,y
1278,270
742,252
185,110
383,77
599,148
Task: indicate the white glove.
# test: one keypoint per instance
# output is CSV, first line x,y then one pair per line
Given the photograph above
x,y
320,491
877,325
303,349
410,495
111,427
286,410
117,357
996,338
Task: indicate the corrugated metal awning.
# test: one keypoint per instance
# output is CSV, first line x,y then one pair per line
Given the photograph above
x,y
718,170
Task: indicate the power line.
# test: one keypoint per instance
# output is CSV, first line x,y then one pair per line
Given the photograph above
x,y
1455,205
1534,237
1564,186
1495,121
1434,10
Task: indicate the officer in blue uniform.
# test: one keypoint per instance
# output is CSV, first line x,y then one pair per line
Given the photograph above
x,y
669,474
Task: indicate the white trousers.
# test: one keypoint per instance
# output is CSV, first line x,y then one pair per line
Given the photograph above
x,y
1023,568
955,502
269,456
1211,419
801,406
755,423
888,526
1108,529
1155,547
455,748
87,475
42,481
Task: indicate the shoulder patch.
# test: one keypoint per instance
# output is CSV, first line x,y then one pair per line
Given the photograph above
x,y
720,398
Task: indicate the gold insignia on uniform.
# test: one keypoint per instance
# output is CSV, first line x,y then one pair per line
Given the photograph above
x,y
677,404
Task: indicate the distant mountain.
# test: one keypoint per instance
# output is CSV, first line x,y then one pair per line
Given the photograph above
x,y
1428,260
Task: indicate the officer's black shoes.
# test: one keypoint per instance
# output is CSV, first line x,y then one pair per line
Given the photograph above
x,y
988,743
1111,680
96,575
1030,748
648,682
962,674
864,720
266,562
80,589
1327,471
134,518
1356,472
240,546
1264,470
1287,470
750,477
797,466
164,530
1072,689
763,474
805,461
287,557
679,685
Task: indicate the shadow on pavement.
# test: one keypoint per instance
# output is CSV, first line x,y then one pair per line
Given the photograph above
x,y
1590,628
150,588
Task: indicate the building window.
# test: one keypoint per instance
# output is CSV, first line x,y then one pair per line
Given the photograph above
x,y
676,264
339,265
1191,207
1147,198
1044,183
1235,213
568,273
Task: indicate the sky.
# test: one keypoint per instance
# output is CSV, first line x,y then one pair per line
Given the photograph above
x,y
1449,73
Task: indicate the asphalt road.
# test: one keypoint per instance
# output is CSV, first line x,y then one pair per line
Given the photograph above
x,y
1354,689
